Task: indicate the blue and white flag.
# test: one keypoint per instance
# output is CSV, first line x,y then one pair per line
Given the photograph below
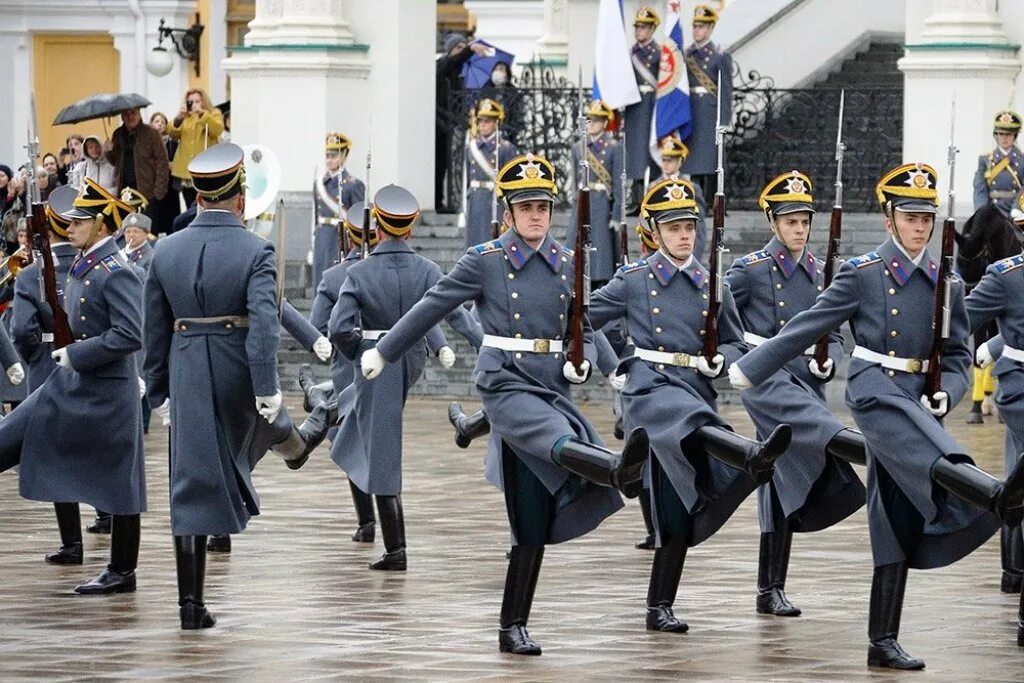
x,y
614,81
672,108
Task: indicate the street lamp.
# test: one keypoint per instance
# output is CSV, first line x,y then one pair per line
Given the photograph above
x,y
185,41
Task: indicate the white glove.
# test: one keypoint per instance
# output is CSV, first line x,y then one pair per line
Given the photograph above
x,y
446,356
163,411
825,372
142,387
372,363
62,358
983,357
569,372
269,406
737,379
617,381
322,347
712,369
940,397
16,374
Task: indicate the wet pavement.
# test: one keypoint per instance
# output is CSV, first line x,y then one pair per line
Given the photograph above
x,y
295,600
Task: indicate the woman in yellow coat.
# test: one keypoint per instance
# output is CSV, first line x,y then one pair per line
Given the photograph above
x,y
197,126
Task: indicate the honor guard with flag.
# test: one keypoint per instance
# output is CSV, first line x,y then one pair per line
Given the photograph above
x,y
928,504
333,195
376,293
1001,172
604,159
708,67
558,479
212,335
87,410
645,56
813,487
486,152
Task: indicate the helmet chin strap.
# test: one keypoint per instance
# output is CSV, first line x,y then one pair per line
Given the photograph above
x,y
661,245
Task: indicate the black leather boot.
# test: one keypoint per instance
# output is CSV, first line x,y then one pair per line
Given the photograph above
x,y
1020,623
1012,552
392,528
190,559
364,513
753,457
645,508
520,583
302,440
601,466
980,489
666,571
100,525
467,427
619,430
772,566
306,383
849,445
119,576
69,523
219,543
887,587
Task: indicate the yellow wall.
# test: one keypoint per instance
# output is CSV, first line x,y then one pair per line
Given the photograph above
x,y
203,80
67,68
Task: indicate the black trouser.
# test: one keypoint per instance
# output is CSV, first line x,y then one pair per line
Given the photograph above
x,y
672,519
906,522
530,505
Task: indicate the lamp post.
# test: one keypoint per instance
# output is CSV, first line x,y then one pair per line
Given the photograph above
x,y
185,41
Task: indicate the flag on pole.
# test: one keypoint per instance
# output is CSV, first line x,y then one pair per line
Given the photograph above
x,y
672,108
614,82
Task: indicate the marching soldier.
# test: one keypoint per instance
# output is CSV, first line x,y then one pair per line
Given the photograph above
x,y
375,295
336,192
211,361
543,453
668,392
706,65
673,154
604,158
646,57
482,164
928,505
1000,172
87,410
811,488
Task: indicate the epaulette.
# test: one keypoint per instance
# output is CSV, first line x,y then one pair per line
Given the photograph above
x,y
756,257
488,247
635,265
1008,264
111,263
866,259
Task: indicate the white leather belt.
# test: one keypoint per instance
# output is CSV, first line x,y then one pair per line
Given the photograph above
x,y
527,345
598,187
481,185
47,337
700,90
328,222
373,335
1002,194
1013,354
757,340
679,360
913,366
645,88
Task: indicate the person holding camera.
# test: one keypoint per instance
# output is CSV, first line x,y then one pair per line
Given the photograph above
x,y
197,126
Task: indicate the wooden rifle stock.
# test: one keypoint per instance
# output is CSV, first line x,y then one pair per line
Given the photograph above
x,y
581,282
495,229
366,229
39,235
624,240
933,378
835,236
710,349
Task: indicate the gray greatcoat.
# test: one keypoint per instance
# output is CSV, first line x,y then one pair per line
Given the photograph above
x,y
605,205
79,436
770,287
480,199
714,63
320,314
890,305
326,249
142,255
212,372
525,293
637,118
997,181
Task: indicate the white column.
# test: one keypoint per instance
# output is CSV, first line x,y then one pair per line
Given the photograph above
x,y
553,46
217,31
299,21
958,48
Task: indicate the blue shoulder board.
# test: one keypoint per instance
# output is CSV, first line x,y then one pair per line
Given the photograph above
x,y
1008,264
635,265
866,259
110,264
488,247
756,257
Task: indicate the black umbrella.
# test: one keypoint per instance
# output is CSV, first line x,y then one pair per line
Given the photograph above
x,y
100,106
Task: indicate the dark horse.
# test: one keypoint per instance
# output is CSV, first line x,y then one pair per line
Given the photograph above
x,y
987,237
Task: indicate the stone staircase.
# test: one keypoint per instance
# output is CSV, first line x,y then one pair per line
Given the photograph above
x,y
873,67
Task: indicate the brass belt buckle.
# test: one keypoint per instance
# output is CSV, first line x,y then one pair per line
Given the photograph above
x,y
541,346
914,365
681,360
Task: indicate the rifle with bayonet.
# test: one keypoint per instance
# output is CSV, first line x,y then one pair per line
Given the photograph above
x,y
581,253
366,210
623,230
495,225
716,257
835,230
946,279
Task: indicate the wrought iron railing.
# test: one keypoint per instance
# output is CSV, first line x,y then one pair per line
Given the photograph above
x,y
774,130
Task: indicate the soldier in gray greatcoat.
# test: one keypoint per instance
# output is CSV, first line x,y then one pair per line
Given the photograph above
x,y
137,245
558,479
604,159
811,488
483,160
334,194
646,58
673,153
700,470
211,363
375,294
706,64
87,410
1001,171
928,505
